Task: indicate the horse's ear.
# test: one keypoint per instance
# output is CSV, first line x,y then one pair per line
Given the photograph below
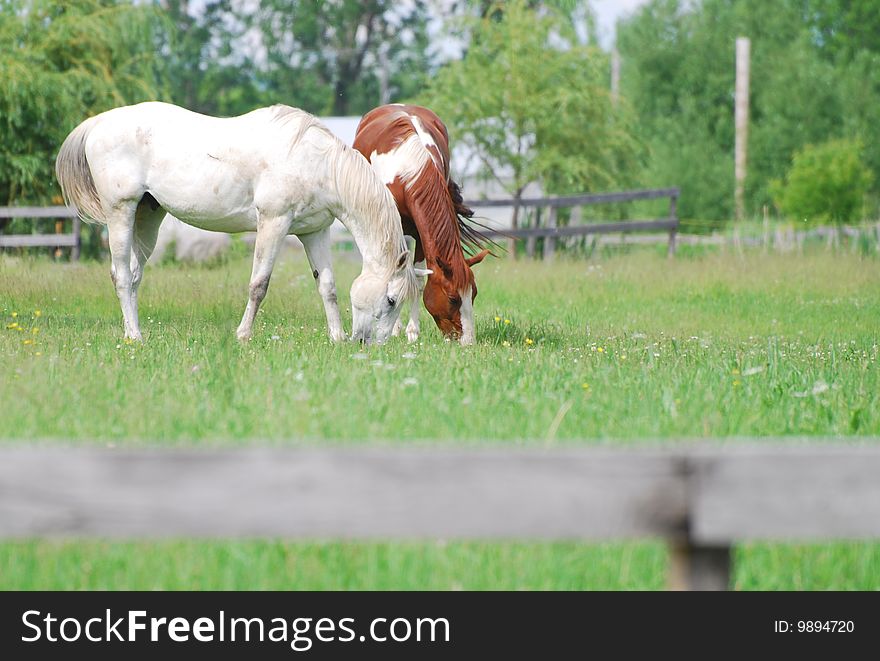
x,y
401,260
447,270
476,259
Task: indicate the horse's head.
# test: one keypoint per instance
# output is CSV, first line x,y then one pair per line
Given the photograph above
x,y
376,299
451,307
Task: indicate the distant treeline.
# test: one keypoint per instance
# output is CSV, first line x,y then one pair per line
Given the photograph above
x,y
815,79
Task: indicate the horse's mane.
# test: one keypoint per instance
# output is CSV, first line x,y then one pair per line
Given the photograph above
x,y
296,120
444,221
359,189
435,215
363,194
472,236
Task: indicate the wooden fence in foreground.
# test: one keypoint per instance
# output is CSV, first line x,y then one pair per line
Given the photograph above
x,y
551,232
701,498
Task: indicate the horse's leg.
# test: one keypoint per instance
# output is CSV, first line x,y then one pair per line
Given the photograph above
x,y
120,231
317,247
146,230
270,235
412,328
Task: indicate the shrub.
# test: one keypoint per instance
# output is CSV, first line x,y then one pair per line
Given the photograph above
x,y
825,183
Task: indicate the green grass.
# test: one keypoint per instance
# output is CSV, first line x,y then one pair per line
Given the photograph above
x,y
622,350
630,348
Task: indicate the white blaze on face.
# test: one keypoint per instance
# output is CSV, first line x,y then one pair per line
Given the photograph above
x,y
468,330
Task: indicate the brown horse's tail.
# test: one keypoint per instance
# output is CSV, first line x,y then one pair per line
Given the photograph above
x,y
472,232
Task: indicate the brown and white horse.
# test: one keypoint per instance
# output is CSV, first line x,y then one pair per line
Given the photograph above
x,y
408,147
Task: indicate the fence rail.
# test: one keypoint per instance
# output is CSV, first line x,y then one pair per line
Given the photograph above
x,y
551,232
72,240
702,499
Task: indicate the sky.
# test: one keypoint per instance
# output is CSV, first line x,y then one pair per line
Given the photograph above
x,y
607,13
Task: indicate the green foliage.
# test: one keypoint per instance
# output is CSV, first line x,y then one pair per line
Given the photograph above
x,y
205,72
826,183
61,62
328,57
815,76
533,104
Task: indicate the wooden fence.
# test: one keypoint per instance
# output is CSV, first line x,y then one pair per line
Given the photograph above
x,y
702,498
551,232
58,240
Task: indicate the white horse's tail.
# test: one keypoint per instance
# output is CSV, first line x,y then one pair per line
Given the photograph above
x,y
75,176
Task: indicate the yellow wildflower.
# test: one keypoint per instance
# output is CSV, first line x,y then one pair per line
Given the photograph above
x,y
507,321
585,386
497,319
28,341
529,340
600,350
35,330
38,313
736,383
505,343
14,315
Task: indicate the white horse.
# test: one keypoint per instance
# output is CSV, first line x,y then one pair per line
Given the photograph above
x,y
275,170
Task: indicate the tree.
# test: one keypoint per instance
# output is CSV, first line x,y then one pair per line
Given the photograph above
x,y
826,183
814,76
329,56
61,62
533,105
206,70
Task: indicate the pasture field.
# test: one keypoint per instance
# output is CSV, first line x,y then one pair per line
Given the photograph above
x,y
628,349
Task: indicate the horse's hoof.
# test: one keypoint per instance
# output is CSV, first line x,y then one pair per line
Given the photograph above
x,y
397,328
412,334
338,336
243,336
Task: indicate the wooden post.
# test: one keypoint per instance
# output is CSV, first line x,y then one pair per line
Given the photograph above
x,y
741,121
575,220
550,241
59,229
77,237
673,231
615,77
532,241
514,223
698,567
766,230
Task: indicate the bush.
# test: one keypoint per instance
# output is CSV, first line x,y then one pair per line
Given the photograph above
x,y
825,183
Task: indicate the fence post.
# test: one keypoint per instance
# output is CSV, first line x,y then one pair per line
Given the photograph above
x,y
532,241
550,241
694,567
673,231
77,237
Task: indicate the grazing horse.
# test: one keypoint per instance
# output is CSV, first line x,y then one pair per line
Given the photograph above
x,y
275,170
408,147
